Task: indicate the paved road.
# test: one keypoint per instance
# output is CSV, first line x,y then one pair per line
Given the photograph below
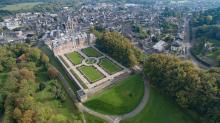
x,y
141,106
118,118
189,45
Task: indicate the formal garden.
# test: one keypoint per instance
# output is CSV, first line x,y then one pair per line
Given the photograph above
x,y
91,73
75,58
109,66
90,66
91,52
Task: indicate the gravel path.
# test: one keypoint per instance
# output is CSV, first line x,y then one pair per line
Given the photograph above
x,y
118,118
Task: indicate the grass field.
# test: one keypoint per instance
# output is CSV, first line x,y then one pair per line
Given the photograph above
x,y
109,66
91,52
119,99
75,58
160,109
20,6
91,119
91,73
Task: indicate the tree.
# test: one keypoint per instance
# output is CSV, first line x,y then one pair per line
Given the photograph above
x,y
28,117
118,47
26,74
34,55
53,72
190,87
17,114
44,59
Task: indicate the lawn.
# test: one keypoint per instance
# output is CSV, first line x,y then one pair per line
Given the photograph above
x,y
91,52
120,99
91,119
109,66
20,6
75,58
160,109
91,73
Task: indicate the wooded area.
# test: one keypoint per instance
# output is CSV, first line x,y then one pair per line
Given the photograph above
x,y
190,87
119,48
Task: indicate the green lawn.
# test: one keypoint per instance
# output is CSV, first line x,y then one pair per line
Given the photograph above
x,y
120,99
91,73
109,66
160,109
91,52
91,119
75,58
20,6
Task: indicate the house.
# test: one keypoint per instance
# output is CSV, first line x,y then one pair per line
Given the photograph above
x,y
160,46
178,47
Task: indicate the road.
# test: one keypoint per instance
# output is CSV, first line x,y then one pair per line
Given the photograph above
x,y
118,118
188,44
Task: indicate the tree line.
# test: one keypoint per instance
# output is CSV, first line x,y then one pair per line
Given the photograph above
x,y
190,87
208,17
119,48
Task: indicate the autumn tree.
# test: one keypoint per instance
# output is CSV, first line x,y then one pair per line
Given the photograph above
x,y
53,72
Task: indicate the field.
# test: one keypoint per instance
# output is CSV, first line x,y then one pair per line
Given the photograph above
x,y
160,109
20,6
91,119
109,66
91,73
119,99
75,58
91,52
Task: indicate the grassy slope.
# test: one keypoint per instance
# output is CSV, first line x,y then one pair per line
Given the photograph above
x,y
91,73
91,119
110,67
20,6
160,109
119,99
91,52
75,58
55,62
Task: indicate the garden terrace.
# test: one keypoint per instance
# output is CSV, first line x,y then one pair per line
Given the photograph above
x,y
75,58
109,66
91,73
91,52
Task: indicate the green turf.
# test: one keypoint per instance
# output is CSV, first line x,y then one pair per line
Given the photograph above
x,y
91,119
91,52
119,99
109,66
20,6
160,109
75,58
91,73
